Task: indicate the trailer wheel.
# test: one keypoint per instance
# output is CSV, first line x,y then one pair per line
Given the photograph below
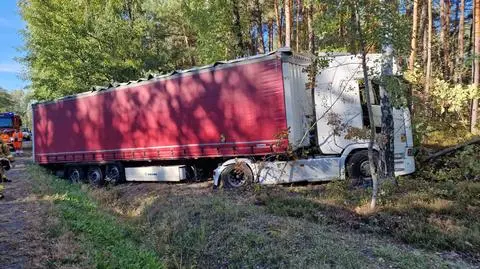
x,y
358,168
236,176
95,176
76,174
114,174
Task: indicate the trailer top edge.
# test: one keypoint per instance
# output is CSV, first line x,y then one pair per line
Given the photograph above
x,y
284,54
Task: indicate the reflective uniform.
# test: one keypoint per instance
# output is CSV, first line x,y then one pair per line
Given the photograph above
x,y
4,155
17,142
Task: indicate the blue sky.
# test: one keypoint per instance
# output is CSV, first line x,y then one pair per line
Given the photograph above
x,y
10,41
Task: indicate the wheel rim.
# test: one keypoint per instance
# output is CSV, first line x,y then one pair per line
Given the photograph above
x,y
113,174
74,176
94,176
365,169
236,178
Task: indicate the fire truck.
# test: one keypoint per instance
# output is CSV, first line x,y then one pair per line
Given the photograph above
x,y
10,130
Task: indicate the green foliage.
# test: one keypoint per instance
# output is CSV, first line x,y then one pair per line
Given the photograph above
x,y
441,117
337,31
5,100
464,165
73,45
453,97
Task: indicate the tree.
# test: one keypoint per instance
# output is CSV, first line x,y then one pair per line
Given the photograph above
x,y
237,29
414,35
371,159
476,67
288,25
387,167
278,16
311,34
5,100
461,37
297,25
258,25
429,49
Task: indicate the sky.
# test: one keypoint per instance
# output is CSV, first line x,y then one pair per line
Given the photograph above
x,y
10,43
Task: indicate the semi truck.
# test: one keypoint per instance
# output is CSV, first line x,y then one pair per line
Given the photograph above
x,y
249,120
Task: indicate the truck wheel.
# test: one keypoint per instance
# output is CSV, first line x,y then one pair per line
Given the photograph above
x,y
358,168
76,174
236,176
114,174
95,176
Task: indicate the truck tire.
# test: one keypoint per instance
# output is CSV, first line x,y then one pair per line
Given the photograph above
x,y
358,168
76,174
114,174
95,176
236,176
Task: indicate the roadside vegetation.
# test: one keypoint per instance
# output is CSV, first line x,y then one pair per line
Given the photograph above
x,y
103,241
428,220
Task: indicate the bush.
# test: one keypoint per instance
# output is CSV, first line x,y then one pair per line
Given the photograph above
x,y
462,165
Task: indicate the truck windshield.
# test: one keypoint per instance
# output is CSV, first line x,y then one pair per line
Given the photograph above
x,y
6,123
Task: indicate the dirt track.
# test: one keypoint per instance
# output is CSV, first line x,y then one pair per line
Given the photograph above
x,y
22,241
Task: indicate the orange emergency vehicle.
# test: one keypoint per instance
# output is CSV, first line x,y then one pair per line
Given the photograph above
x,y
10,130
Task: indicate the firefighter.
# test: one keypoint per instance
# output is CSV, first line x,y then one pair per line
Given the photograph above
x,y
17,142
5,158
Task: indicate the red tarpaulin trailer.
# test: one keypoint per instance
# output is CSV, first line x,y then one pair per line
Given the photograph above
x,y
228,109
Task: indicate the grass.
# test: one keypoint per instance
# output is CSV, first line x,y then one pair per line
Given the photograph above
x,y
440,216
418,224
105,241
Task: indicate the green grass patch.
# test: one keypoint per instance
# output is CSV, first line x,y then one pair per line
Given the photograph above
x,y
183,226
107,242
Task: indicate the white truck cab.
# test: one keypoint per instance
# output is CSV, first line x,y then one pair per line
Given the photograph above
x,y
334,107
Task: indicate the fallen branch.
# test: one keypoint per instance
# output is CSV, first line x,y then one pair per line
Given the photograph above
x,y
451,149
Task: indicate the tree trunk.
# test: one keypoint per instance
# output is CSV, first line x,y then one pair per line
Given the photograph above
x,y
446,44
429,49
414,36
444,32
187,44
237,30
297,25
371,158
461,35
424,32
288,25
270,35
279,23
476,65
311,34
387,169
259,23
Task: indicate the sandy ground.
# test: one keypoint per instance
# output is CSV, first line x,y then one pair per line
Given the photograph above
x,y
22,241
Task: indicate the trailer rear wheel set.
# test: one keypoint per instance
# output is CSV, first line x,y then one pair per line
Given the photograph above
x,y
96,175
